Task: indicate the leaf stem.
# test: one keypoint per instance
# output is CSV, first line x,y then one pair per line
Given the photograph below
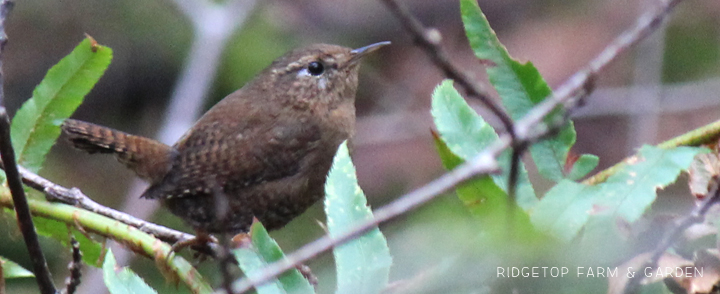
x,y
702,135
136,240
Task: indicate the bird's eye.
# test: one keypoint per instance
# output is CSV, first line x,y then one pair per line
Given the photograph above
x,y
316,68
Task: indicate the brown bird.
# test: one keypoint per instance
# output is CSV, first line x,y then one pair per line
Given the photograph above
x,y
266,148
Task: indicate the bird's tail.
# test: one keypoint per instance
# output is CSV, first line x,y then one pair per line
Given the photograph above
x,y
148,158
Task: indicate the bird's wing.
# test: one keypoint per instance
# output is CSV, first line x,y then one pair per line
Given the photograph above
x,y
236,157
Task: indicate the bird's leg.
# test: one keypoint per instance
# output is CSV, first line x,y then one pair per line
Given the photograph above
x,y
307,273
202,239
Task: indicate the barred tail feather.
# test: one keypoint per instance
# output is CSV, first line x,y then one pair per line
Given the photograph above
x,y
148,158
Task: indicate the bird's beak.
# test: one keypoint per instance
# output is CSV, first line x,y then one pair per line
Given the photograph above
x,y
361,52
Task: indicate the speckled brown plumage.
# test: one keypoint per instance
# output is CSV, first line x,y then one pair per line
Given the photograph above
x,y
267,147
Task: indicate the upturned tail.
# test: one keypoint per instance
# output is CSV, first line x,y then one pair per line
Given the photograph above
x,y
148,158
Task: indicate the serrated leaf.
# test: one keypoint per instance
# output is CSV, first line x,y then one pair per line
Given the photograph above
x,y
12,270
488,202
363,264
262,251
122,280
481,196
564,209
568,206
36,124
654,168
521,87
467,134
582,166
59,231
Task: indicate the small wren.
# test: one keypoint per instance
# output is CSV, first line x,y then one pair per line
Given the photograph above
x,y
267,147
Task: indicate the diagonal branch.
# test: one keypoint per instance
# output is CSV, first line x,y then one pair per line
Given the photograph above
x,y
696,215
527,130
429,40
583,80
75,197
177,268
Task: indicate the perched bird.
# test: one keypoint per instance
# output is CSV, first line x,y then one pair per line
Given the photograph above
x,y
264,151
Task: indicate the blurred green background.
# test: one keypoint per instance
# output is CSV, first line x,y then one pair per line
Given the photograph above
x,y
438,245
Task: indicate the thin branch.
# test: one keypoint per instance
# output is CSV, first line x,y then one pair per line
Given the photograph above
x,y
2,279
225,261
696,215
703,135
429,40
529,129
75,197
222,210
25,222
517,152
484,163
22,210
138,241
75,267
5,7
581,80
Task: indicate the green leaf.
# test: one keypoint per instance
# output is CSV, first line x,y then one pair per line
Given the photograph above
x,y
564,209
481,196
36,125
467,134
59,231
122,280
601,234
263,251
583,165
521,87
568,206
489,202
11,269
638,181
363,264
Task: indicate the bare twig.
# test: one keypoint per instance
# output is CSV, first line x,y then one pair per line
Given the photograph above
x,y
22,210
25,222
74,196
75,267
2,279
225,261
529,129
484,163
429,40
696,215
644,26
517,152
5,7
135,240
222,209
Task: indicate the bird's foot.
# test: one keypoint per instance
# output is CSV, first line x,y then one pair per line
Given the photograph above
x,y
201,242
